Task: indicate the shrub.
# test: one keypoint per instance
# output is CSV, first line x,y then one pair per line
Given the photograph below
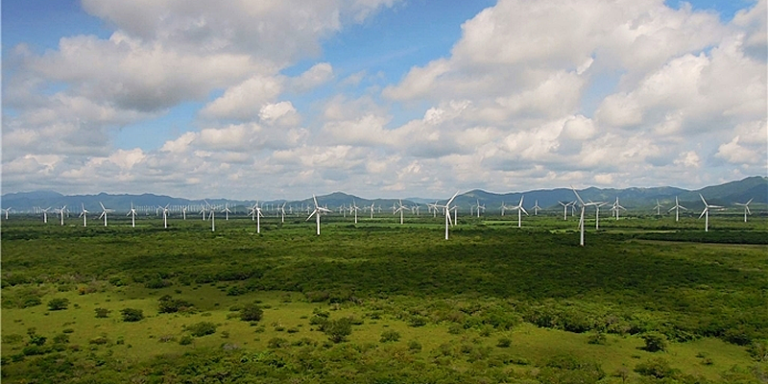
x,y
758,349
337,330
656,367
455,329
168,304
61,338
102,313
186,340
58,304
597,338
655,342
31,302
504,342
417,321
132,314
157,283
202,328
389,335
99,340
251,312
277,342
414,346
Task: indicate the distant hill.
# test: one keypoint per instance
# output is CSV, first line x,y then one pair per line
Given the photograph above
x,y
726,194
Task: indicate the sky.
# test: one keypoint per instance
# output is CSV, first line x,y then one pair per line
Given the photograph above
x,y
380,98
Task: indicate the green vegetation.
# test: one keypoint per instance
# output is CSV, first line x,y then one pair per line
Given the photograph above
x,y
644,301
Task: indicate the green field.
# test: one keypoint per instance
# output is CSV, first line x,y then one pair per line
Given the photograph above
x,y
379,302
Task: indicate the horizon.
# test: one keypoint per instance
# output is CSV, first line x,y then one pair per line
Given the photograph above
x,y
385,98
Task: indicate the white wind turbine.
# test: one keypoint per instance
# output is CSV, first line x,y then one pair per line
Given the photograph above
x,y
256,212
165,215
658,208
226,211
212,216
184,212
433,207
6,212
519,208
202,211
282,212
354,208
503,208
372,209
317,212
45,215
597,213
104,212
84,215
400,209
745,205
479,207
62,211
565,209
536,208
677,209
616,207
705,212
581,219
132,214
447,212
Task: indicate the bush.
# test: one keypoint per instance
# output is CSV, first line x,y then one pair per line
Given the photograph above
x,y
504,342
417,321
102,313
202,328
251,312
186,340
99,340
277,342
61,338
758,349
389,335
414,346
132,314
58,304
597,338
656,367
337,330
655,342
168,304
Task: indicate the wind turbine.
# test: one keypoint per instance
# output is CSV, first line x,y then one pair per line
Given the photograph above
x,y
658,208
226,211
317,212
184,212
447,212
400,209
519,208
479,207
84,215
256,212
62,211
581,219
705,212
616,207
6,212
745,205
212,216
372,208
282,213
536,208
678,207
503,208
165,215
202,211
132,213
45,215
104,212
565,209
597,214
354,208
434,209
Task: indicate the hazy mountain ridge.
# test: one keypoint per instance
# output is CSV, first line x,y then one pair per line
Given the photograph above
x,y
726,194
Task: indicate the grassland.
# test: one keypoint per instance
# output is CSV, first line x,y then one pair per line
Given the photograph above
x,y
495,303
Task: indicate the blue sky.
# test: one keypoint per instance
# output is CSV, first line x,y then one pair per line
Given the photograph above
x,y
389,98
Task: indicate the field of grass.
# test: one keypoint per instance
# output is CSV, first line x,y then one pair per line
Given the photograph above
x,y
495,303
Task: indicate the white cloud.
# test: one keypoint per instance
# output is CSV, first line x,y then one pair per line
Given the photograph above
x,y
319,74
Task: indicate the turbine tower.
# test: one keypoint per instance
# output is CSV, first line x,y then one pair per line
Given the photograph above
x,y
503,208
45,215
104,212
184,212
372,208
597,214
745,205
354,208
519,208
536,208
84,215
447,212
400,209
479,207
165,215
658,208
256,212
616,207
212,216
317,212
132,213
282,213
226,211
6,212
705,212
565,209
62,211
677,209
581,219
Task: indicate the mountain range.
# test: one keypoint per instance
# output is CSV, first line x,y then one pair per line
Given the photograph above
x,y
726,194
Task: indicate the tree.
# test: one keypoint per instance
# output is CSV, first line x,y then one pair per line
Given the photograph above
x,y
251,312
132,314
338,330
58,304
